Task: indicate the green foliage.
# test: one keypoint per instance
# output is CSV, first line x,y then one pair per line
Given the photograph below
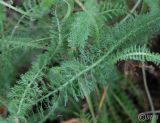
x,y
80,30
37,9
72,52
24,99
2,17
111,10
127,106
152,4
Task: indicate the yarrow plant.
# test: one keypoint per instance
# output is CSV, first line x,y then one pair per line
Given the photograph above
x,y
52,51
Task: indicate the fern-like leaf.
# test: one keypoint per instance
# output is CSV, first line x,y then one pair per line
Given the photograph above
x,y
37,9
113,10
139,53
20,42
27,90
31,86
81,27
80,30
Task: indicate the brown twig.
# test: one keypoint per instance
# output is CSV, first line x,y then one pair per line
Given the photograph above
x,y
102,100
147,89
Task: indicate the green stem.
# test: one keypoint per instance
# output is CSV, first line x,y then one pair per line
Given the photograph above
x,y
143,8
132,11
89,104
16,26
14,8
